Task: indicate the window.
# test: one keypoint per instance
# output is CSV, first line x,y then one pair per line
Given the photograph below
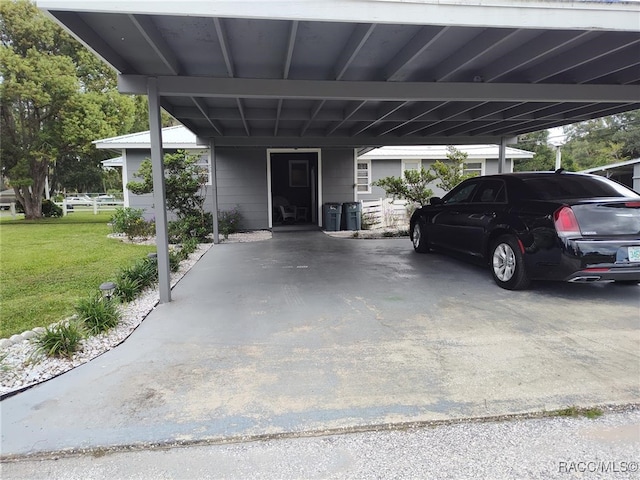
x,y
298,173
490,191
203,163
460,194
475,168
411,165
363,177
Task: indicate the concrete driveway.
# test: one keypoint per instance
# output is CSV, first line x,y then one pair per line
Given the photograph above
x,y
306,332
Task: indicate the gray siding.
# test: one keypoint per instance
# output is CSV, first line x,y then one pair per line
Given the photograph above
x,y
381,169
338,175
134,159
242,183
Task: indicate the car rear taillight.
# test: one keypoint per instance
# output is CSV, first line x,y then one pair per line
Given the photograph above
x,y
565,221
632,204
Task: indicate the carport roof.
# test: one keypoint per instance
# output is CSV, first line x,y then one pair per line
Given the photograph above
x,y
368,72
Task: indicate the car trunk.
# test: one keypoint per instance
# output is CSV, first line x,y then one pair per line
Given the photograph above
x,y
606,218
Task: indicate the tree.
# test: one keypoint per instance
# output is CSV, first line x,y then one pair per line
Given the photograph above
x,y
414,185
544,157
451,173
185,182
603,140
55,98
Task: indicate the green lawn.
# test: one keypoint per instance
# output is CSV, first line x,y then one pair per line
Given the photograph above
x,y
46,266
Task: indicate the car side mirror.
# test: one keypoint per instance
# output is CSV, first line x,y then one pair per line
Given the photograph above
x,y
435,201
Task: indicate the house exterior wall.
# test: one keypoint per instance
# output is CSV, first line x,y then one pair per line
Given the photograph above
x,y
338,175
242,183
381,168
132,161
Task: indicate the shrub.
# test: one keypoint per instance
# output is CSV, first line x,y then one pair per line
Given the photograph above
x,y
229,221
59,340
197,226
189,246
131,222
50,209
127,289
97,314
175,257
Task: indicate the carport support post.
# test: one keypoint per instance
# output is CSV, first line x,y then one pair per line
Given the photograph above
x,y
159,195
214,193
502,158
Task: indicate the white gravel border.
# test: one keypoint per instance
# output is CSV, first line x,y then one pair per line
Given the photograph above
x,y
21,368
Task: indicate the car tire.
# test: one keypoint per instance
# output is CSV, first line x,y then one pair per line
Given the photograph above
x,y
419,237
507,264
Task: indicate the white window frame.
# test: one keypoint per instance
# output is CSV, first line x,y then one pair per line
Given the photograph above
x,y
481,171
410,160
367,177
204,161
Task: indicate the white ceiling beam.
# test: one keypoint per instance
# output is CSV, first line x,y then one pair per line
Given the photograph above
x,y
377,91
154,38
420,42
482,44
358,38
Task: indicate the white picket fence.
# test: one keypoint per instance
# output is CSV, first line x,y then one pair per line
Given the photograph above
x,y
95,207
385,213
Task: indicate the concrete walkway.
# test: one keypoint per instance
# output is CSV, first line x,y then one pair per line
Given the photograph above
x,y
306,332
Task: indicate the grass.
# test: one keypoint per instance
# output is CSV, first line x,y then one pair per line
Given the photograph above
x,y
574,411
46,266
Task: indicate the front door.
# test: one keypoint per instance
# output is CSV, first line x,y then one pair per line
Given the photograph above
x,y
294,187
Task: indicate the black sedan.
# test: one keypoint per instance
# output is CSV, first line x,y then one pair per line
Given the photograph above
x,y
537,226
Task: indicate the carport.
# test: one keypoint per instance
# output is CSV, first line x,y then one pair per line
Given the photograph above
x,y
358,74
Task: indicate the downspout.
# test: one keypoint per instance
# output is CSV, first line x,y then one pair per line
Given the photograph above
x,y
159,194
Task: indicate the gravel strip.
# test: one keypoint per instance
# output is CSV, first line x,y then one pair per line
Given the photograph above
x,y
20,367
547,448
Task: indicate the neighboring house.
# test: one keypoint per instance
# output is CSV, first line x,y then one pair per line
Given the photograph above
x,y
254,179
394,161
627,173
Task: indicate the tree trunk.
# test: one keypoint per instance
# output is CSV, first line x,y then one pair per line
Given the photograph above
x,y
31,196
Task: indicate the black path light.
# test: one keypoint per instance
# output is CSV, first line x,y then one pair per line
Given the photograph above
x,y
107,289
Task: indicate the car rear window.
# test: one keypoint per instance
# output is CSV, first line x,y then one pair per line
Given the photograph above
x,y
557,187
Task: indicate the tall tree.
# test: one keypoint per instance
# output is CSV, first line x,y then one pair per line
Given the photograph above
x,y
55,98
603,140
544,156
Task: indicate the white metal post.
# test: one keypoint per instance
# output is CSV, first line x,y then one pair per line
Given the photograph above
x,y
214,192
502,158
159,195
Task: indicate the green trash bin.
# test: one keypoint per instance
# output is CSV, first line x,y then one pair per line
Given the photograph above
x,y
351,215
332,216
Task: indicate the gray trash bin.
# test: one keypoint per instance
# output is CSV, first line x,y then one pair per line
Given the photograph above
x,y
351,215
332,216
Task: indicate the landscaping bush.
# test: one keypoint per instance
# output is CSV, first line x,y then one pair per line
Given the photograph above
x,y
229,221
59,340
50,209
131,222
127,289
197,225
97,314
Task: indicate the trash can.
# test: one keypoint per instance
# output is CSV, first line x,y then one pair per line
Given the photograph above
x,y
351,215
332,216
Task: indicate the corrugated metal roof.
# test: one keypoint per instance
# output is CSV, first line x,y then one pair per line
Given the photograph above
x,y
172,137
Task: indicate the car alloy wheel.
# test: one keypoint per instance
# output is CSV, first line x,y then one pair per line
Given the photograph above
x,y
504,262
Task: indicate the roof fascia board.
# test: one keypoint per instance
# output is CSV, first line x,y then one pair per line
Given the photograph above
x,y
495,13
351,142
182,86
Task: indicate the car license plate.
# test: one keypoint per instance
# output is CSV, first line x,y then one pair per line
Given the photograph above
x,y
634,254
